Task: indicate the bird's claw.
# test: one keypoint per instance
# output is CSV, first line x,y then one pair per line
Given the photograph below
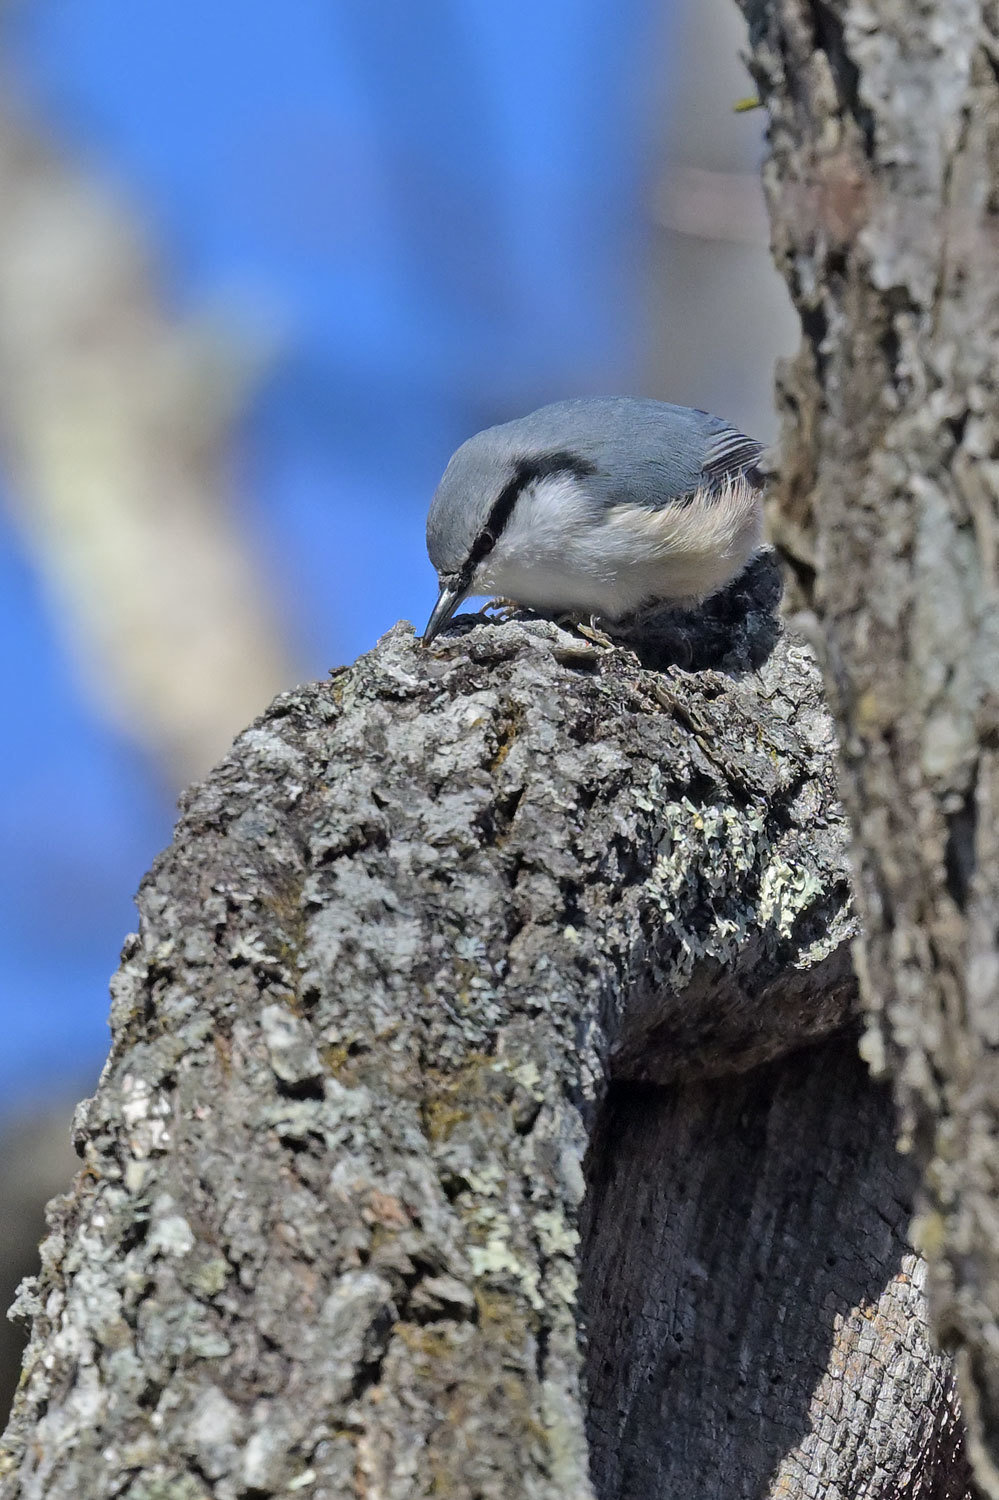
x,y
592,632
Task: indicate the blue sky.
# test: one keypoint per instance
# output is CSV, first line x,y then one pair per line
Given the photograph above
x,y
429,215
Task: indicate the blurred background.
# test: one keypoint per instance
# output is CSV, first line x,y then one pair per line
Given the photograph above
x,y
262,268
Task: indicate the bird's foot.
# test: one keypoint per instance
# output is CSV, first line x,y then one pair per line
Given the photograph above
x,y
592,632
501,609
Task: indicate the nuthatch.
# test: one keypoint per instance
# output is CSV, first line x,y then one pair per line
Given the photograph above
x,y
596,506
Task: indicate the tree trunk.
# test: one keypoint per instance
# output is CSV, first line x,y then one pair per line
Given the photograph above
x,y
486,993
884,191
496,994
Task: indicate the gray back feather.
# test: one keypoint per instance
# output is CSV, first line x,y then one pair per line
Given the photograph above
x,y
639,452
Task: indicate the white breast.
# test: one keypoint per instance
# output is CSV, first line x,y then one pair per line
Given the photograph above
x,y
563,550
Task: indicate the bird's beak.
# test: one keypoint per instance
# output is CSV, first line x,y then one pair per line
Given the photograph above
x,y
448,600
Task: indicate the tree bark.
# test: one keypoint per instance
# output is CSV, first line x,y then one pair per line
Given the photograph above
x,y
884,191
497,995
488,993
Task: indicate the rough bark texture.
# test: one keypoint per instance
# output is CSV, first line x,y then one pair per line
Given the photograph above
x,y
326,1239
755,1310
884,190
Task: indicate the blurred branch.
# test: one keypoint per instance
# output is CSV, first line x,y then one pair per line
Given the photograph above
x,y
36,1161
712,205
114,426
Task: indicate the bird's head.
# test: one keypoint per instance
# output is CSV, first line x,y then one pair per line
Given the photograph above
x,y
471,527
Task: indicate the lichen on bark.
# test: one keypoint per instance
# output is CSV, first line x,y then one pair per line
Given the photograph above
x,y
326,1237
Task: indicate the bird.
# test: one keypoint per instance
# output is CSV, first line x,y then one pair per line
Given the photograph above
x,y
596,506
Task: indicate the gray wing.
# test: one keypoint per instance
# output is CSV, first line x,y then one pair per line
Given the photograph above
x,y
655,452
729,455
643,452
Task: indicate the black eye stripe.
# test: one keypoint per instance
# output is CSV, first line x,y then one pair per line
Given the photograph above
x,y
526,471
